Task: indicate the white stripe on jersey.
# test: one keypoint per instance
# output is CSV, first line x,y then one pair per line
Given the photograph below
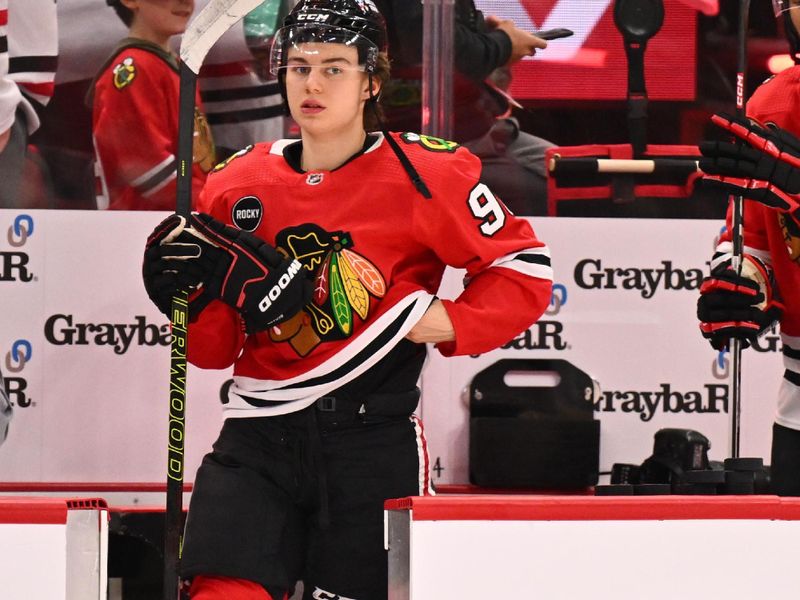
x,y
533,262
145,176
101,192
296,393
161,184
424,475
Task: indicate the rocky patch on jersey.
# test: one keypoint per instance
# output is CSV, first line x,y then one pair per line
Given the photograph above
x,y
344,284
428,142
247,212
233,156
124,73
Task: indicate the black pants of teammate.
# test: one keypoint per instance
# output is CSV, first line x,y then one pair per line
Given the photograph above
x,y
300,496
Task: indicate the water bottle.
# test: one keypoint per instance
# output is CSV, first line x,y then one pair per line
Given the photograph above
x,y
260,25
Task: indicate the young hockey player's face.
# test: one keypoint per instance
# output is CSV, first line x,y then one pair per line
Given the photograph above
x,y
325,87
164,17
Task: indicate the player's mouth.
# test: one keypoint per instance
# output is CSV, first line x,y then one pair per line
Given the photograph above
x,y
183,14
311,107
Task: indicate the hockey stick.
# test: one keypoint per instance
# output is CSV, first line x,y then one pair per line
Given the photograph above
x,y
203,31
738,230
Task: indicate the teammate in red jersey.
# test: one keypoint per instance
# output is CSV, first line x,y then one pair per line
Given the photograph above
x,y
746,305
135,112
319,427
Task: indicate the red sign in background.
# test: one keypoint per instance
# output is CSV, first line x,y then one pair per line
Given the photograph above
x,y
592,65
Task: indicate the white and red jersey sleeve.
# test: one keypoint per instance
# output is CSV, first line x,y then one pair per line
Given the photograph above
x,y
28,58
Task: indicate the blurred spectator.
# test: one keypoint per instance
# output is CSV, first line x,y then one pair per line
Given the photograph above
x,y
242,100
28,57
513,160
6,410
135,112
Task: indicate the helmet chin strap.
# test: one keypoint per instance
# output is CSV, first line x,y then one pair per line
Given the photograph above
x,y
412,173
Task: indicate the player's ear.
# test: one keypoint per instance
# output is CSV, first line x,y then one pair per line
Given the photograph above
x,y
376,88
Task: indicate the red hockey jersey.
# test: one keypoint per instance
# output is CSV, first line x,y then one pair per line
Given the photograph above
x,y
135,130
376,250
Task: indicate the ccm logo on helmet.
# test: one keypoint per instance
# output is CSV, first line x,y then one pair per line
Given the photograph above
x,y
315,17
276,289
246,213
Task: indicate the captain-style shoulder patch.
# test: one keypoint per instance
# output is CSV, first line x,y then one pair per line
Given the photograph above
x,y
124,73
228,160
434,144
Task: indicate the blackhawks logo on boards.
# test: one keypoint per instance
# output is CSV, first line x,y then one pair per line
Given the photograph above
x,y
124,73
345,284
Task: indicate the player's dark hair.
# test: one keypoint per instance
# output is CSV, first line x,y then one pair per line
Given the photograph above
x,y
373,115
123,12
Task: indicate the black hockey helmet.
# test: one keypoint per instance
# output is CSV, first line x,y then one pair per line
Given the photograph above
x,y
355,23
783,9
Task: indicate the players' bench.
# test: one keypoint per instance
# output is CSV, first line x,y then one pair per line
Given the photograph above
x,y
605,180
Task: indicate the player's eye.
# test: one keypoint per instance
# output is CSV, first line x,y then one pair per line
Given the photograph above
x,y
299,69
334,71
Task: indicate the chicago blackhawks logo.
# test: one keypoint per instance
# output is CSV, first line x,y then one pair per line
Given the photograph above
x,y
124,73
434,144
344,284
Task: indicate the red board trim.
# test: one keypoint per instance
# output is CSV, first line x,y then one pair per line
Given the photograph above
x,y
594,508
36,511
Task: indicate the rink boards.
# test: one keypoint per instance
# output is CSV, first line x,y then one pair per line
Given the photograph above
x,y
86,355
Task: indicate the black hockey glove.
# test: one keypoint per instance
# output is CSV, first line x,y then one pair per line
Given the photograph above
x,y
175,259
265,286
737,306
761,164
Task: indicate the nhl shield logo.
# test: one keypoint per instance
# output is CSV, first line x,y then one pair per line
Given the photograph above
x,y
246,213
314,178
124,73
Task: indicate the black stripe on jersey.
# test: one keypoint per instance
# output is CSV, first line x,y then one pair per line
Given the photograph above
x,y
792,377
245,93
369,350
536,259
791,352
158,177
32,64
242,116
3,44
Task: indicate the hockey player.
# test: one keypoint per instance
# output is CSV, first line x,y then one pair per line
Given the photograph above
x,y
135,112
745,305
319,427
